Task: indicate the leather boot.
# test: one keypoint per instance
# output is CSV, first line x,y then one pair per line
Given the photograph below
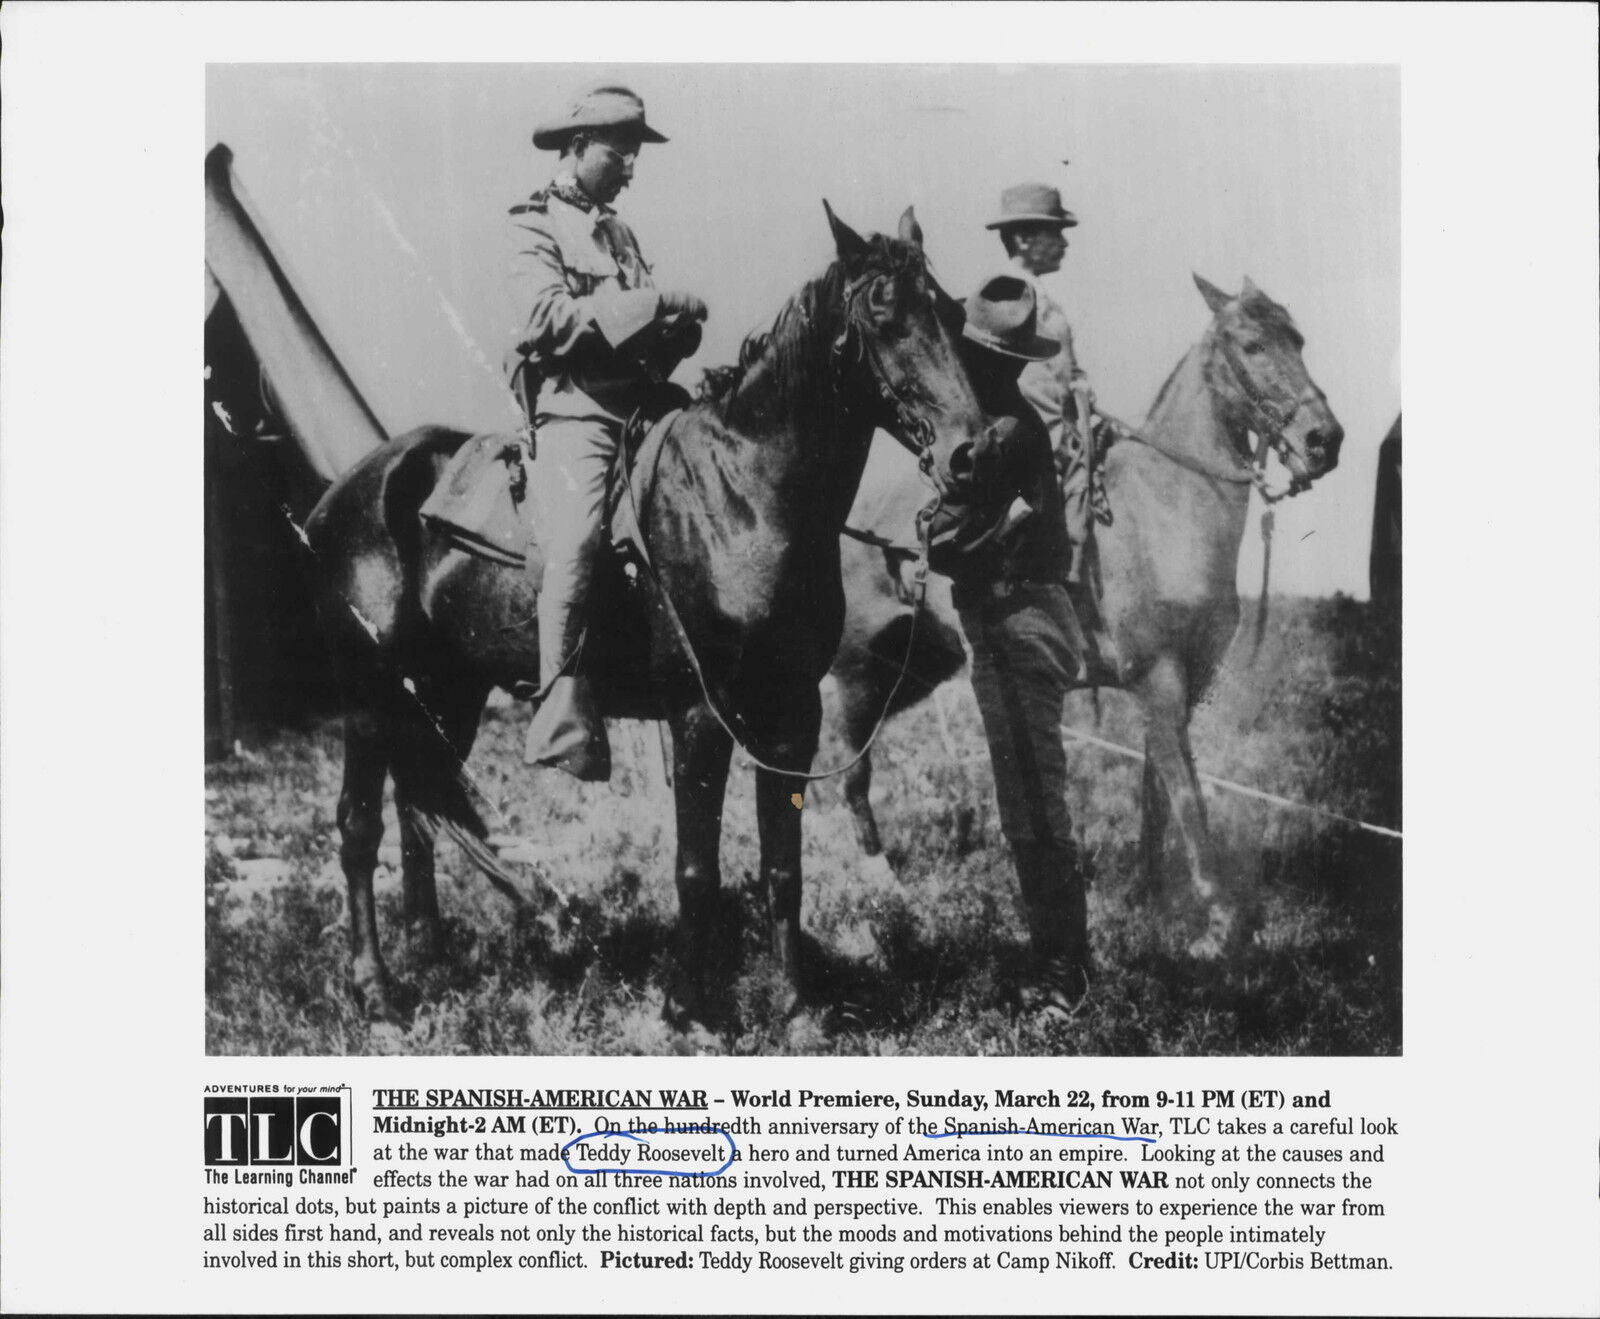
x,y
1056,904
568,733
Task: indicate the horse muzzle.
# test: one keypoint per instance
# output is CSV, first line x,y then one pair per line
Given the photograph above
x,y
1314,451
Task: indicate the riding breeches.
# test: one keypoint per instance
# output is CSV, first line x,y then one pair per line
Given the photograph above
x,y
1023,664
572,460
1075,504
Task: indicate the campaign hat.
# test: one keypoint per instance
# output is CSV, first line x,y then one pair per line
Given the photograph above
x,y
1003,316
603,107
1032,203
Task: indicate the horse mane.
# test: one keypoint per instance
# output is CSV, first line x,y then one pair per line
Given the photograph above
x,y
1269,315
1166,385
1273,316
809,320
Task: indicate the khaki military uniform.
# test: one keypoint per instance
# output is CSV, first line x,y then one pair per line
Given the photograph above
x,y
1027,653
583,359
1048,387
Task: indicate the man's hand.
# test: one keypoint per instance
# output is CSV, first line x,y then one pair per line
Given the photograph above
x,y
683,304
682,339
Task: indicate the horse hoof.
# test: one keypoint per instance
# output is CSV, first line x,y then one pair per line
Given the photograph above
x,y
374,999
687,1034
1056,992
1221,934
697,1041
427,939
682,1011
790,1003
804,1034
386,1037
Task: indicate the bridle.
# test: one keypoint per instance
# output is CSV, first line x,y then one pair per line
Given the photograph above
x,y
1269,418
911,424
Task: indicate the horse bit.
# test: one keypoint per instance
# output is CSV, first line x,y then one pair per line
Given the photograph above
x,y
1268,420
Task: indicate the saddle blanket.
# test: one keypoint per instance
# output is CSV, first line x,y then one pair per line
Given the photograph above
x,y
481,500
482,503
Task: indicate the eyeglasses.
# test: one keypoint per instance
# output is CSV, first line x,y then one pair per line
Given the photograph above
x,y
628,154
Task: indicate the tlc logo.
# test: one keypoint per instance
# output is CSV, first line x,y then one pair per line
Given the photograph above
x,y
274,1129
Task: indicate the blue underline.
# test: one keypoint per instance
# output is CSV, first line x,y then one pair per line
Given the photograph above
x,y
1059,1135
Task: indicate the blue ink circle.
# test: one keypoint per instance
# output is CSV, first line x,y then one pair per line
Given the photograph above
x,y
638,1137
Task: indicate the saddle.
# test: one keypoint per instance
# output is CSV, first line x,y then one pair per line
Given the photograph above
x,y
481,503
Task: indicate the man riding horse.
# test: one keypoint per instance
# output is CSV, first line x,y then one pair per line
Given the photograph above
x,y
596,343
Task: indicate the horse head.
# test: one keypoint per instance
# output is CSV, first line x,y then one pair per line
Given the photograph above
x,y
904,328
1258,373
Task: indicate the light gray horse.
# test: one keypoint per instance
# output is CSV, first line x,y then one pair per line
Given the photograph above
x,y
1179,492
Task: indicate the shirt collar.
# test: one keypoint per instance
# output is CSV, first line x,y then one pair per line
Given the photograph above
x,y
1016,262
565,185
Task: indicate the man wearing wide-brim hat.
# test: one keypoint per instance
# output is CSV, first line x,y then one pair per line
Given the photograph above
x,y
595,341
999,533
1032,224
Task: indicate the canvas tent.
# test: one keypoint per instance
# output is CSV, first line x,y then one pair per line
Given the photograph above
x,y
282,418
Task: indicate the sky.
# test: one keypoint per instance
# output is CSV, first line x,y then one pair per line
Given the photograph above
x,y
384,190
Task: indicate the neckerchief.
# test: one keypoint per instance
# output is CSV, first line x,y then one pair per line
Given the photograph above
x,y
568,190
613,234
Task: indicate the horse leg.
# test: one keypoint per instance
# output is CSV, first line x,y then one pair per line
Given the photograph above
x,y
860,713
453,714
858,796
701,750
1154,815
1167,749
779,798
360,818
419,892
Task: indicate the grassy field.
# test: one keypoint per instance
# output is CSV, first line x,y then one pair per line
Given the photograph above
x,y
920,964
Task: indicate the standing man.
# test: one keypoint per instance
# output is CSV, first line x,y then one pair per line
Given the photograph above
x,y
1033,225
999,533
596,341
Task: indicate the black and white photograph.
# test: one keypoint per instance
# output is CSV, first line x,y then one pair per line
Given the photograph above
x,y
796,558
787,670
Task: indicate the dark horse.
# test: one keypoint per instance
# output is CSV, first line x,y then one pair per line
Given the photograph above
x,y
1179,493
740,501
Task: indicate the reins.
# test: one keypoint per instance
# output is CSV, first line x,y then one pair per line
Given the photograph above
x,y
919,431
870,538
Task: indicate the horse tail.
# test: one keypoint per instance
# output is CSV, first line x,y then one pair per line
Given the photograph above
x,y
367,540
435,790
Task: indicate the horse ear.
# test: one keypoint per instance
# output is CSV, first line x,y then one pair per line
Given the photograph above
x,y
851,246
1249,290
910,230
1215,298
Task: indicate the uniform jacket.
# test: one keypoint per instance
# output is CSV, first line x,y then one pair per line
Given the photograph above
x,y
1002,517
588,306
1048,385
